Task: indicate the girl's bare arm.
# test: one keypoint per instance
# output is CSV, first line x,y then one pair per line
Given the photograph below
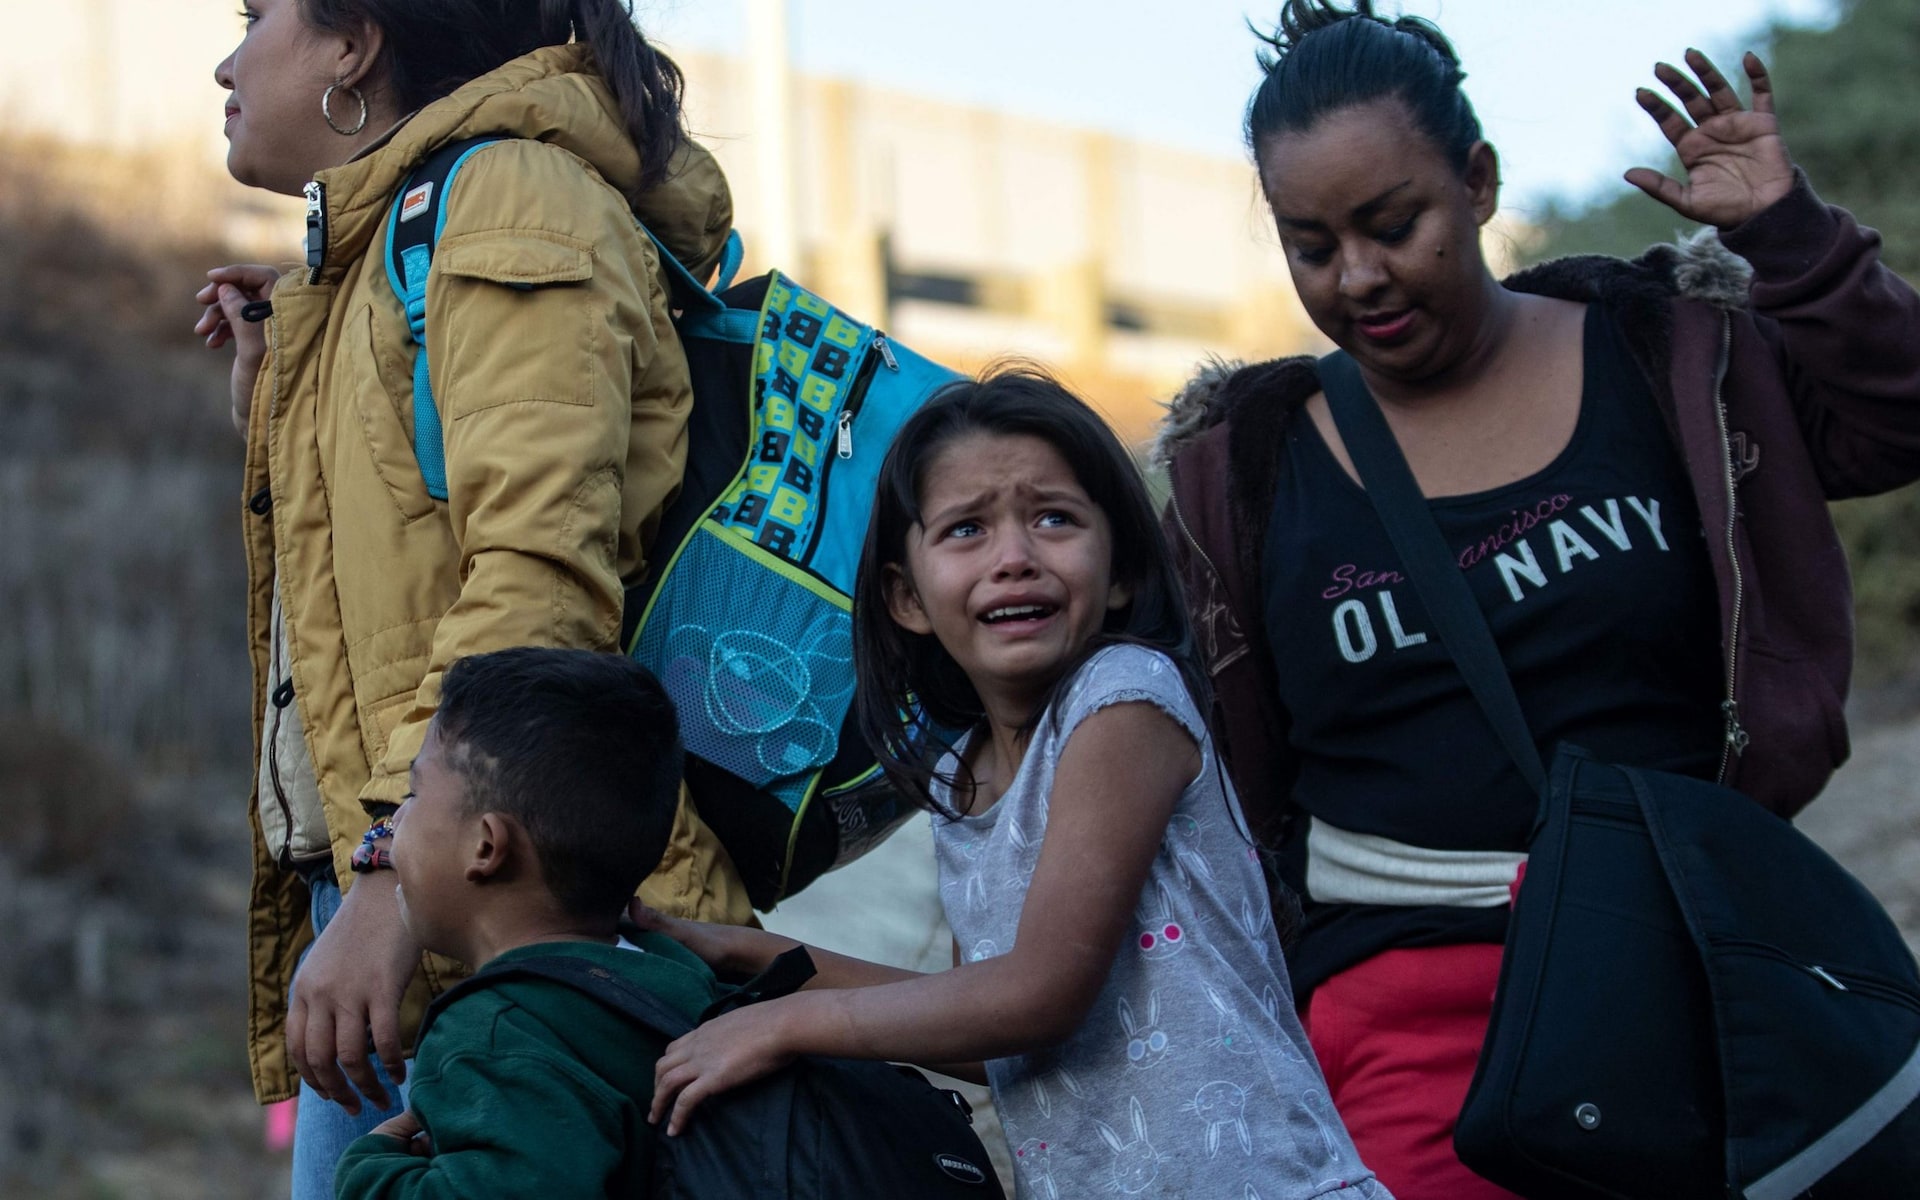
x,y
1119,776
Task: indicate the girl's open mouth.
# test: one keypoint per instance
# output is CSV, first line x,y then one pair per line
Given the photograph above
x,y
1018,612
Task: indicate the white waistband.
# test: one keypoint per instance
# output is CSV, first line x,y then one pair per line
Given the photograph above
x,y
1363,868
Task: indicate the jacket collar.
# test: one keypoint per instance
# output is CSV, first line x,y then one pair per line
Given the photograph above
x,y
552,95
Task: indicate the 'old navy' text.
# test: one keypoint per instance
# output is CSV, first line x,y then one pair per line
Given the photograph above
x,y
1571,540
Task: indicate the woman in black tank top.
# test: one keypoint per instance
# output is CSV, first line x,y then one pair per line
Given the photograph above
x,y
1582,434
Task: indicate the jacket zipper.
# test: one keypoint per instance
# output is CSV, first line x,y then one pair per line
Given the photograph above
x,y
316,193
1735,738
877,352
1180,519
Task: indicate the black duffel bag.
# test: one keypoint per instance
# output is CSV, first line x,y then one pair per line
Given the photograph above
x,y
1695,1000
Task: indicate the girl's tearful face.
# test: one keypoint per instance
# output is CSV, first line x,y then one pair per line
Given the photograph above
x,y
1011,568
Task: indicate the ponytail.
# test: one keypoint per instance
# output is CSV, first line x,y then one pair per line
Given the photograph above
x,y
646,84
433,47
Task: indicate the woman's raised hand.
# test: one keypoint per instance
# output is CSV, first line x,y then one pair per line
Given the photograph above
x,y
228,290
1735,162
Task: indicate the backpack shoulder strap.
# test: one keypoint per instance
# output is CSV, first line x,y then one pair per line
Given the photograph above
x,y
581,975
413,229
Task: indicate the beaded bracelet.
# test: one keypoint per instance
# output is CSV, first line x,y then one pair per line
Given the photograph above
x,y
369,857
372,858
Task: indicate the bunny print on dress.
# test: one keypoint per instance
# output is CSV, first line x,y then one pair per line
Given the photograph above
x,y
1037,1168
1182,845
1160,936
1233,1036
1136,1164
1147,1043
1223,1105
1043,1096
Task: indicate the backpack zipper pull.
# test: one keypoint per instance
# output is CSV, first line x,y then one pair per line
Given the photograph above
x,y
886,354
843,437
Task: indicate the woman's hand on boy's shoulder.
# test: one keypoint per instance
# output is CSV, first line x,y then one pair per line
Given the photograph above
x,y
407,1128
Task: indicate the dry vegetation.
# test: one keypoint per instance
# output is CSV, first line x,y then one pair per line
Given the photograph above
x,y
123,723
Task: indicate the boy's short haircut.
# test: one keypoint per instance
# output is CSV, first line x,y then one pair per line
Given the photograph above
x,y
583,749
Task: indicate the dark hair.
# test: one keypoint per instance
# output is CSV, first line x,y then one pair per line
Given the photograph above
x,y
583,749
911,697
435,46
1323,59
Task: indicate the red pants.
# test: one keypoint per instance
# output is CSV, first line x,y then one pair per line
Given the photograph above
x,y
1398,1037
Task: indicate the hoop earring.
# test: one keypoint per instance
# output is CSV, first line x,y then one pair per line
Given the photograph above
x,y
326,109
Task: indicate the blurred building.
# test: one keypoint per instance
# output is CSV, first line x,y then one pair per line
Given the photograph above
x,y
973,234
969,233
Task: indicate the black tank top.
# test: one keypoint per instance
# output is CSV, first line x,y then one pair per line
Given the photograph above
x,y
1594,577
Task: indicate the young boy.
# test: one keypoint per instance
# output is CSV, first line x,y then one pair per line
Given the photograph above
x,y
543,795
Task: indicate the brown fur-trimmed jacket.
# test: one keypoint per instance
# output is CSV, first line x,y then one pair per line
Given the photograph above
x,y
1786,359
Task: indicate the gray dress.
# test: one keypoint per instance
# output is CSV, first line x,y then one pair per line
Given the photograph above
x,y
1191,1076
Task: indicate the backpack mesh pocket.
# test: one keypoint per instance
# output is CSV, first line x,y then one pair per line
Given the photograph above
x,y
757,656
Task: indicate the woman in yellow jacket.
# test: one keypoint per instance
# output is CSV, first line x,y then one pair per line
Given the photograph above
x,y
563,395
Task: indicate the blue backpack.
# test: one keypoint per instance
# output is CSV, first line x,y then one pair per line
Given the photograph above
x,y
749,622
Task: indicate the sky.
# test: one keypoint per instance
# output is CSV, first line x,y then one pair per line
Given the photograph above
x,y
1553,80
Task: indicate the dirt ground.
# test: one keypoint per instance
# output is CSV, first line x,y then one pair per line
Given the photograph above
x,y
1869,819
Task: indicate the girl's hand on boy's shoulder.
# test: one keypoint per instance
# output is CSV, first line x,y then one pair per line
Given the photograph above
x,y
738,1048
707,942
730,950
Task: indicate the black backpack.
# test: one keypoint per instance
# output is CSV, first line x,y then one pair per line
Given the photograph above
x,y
819,1129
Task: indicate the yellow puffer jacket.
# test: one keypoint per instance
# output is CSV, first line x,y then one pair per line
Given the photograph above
x,y
564,396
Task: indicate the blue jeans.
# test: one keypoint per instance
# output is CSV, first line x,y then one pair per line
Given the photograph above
x,y
323,1129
